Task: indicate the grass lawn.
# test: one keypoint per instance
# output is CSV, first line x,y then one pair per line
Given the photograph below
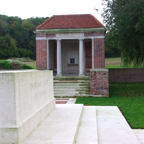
x,y
118,59
32,64
129,97
113,66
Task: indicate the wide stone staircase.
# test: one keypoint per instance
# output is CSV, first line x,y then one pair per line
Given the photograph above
x,y
78,124
71,86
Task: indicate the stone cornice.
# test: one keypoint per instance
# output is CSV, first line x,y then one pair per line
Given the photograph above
x,y
84,30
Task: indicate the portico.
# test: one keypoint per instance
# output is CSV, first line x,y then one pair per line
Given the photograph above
x,y
70,44
68,51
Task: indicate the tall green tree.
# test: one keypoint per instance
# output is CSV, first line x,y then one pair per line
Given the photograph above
x,y
8,47
20,32
125,19
111,47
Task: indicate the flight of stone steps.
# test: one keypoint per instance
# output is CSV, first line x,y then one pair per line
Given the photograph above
x,y
71,86
78,124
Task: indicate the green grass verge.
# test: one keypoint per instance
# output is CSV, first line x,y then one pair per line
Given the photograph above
x,y
129,97
117,66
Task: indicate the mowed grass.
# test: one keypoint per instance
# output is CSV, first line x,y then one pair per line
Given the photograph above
x,y
113,62
108,60
32,64
129,97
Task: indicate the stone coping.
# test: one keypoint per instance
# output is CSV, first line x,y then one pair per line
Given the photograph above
x,y
102,69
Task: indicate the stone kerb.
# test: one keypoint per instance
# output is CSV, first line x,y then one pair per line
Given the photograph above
x,y
26,98
99,82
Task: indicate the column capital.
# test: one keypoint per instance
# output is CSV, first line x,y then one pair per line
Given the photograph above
x,y
81,39
58,39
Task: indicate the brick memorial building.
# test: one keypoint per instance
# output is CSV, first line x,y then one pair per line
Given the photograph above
x,y
72,45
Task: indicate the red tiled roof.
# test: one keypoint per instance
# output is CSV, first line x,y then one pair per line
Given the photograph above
x,y
71,22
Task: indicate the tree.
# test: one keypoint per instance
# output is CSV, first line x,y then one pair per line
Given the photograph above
x,y
19,32
125,19
111,47
8,47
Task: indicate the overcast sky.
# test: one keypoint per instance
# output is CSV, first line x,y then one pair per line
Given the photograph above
x,y
46,8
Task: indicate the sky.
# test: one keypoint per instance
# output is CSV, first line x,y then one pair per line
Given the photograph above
x,y
46,8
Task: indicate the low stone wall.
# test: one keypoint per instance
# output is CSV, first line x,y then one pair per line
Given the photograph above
x,y
126,75
26,98
99,82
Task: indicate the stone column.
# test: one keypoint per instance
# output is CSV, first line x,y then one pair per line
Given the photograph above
x,y
48,56
59,73
81,58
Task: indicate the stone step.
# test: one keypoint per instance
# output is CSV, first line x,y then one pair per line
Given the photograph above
x,y
139,134
71,78
72,91
72,81
113,128
71,84
60,127
77,88
88,127
73,95
68,93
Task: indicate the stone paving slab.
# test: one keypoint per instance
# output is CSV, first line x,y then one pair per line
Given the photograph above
x,y
113,128
60,127
88,127
71,101
140,135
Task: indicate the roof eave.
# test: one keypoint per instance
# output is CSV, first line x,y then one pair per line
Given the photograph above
x,y
70,30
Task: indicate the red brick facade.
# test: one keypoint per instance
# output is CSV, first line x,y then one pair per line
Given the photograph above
x,y
98,45
93,44
41,54
99,53
99,82
88,56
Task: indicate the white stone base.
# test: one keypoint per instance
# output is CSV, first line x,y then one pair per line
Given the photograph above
x,y
26,99
17,134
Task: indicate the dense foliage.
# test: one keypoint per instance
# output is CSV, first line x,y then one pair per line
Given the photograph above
x,y
17,38
4,64
125,20
111,47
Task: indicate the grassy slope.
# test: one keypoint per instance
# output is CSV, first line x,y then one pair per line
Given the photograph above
x,y
129,97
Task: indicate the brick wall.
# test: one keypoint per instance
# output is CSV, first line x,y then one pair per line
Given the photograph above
x,y
50,35
126,75
88,56
99,53
41,54
99,82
